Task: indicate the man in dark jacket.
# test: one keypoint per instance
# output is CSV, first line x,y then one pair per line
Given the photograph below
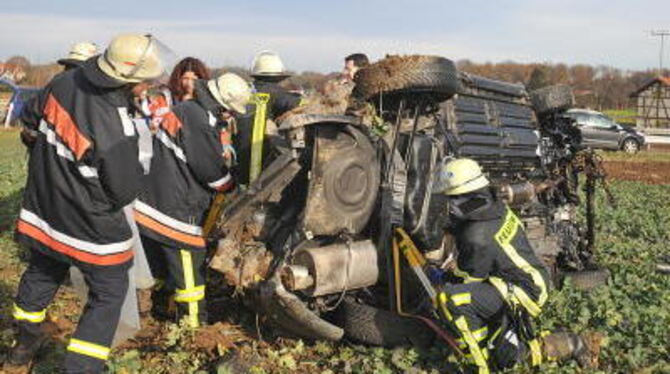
x,y
269,102
502,283
83,170
187,168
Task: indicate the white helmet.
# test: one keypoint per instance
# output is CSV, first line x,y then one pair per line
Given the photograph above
x,y
132,58
231,91
268,64
461,176
81,51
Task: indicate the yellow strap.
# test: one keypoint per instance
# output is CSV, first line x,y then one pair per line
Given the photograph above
x,y
535,352
261,99
34,317
461,298
213,214
189,281
517,296
88,349
443,299
504,237
477,354
190,294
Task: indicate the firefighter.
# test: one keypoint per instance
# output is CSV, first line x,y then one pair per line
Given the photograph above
x,y
270,101
83,170
187,169
79,53
502,284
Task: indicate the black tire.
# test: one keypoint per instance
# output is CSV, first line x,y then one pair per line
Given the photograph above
x,y
587,280
407,74
630,146
368,325
552,98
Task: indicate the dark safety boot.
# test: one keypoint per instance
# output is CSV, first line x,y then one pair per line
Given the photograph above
x,y
561,346
27,344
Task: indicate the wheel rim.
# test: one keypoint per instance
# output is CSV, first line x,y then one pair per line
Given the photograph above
x,y
630,146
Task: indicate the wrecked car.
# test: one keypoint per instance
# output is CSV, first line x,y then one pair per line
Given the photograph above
x,y
308,243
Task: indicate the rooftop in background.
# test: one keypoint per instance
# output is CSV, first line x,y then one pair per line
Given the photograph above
x,y
665,81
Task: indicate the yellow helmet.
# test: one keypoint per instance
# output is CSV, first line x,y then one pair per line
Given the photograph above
x,y
231,91
461,176
132,58
268,64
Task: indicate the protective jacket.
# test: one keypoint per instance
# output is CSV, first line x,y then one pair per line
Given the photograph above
x,y
186,169
492,247
83,169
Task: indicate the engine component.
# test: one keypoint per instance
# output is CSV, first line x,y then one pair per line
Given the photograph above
x,y
296,277
344,182
518,193
339,267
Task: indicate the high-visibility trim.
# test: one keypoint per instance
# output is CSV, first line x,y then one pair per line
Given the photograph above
x,y
504,237
167,141
167,220
160,228
171,124
211,119
63,151
221,184
478,355
34,317
442,301
65,127
31,225
479,335
467,278
535,352
516,296
88,349
189,281
461,298
190,294
258,135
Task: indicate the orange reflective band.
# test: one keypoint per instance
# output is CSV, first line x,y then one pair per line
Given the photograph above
x,y
39,235
153,225
65,127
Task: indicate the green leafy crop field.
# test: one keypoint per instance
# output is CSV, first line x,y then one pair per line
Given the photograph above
x,y
630,316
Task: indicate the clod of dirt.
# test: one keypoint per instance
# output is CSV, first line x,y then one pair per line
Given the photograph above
x,y
241,263
594,342
219,338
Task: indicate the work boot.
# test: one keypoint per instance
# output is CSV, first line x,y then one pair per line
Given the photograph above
x,y
26,345
561,346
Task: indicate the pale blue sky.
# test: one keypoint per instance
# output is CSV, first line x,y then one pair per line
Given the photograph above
x,y
315,35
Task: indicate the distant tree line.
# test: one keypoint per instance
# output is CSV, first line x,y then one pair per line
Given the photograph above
x,y
598,87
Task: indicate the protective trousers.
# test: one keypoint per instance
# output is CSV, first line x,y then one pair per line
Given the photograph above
x,y
184,273
90,344
476,310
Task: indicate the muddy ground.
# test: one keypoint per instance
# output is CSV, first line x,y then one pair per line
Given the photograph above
x,y
651,172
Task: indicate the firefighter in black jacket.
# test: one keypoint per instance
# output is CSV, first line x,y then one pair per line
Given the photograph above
x,y
187,168
83,170
502,283
270,101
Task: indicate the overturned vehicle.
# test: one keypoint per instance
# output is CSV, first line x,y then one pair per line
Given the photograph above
x,y
308,243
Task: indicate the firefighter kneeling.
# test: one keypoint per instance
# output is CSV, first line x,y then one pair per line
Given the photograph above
x,y
499,283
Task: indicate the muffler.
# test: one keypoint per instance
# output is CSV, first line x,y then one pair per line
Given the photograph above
x,y
332,269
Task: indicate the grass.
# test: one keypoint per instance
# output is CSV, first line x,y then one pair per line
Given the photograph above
x,y
631,311
626,116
